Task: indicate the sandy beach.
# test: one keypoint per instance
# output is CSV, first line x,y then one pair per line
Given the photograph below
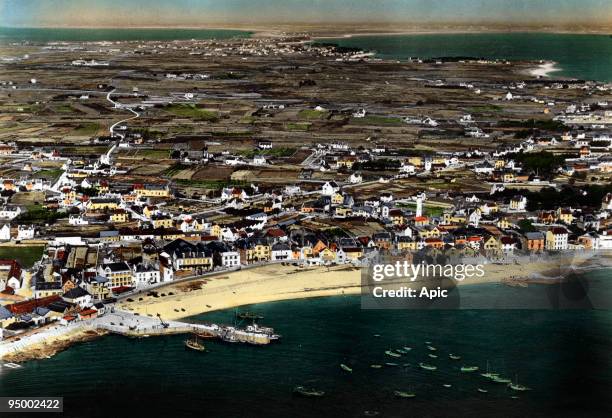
x,y
276,282
544,69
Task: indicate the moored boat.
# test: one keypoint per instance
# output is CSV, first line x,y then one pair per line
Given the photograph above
x,y
375,366
402,394
427,366
432,356
454,357
345,367
194,344
468,369
308,392
431,348
392,353
482,390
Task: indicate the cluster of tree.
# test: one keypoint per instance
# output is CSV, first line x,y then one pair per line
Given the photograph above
x,y
377,165
543,163
549,198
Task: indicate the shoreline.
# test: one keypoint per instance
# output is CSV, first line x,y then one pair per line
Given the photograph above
x,y
273,283
544,70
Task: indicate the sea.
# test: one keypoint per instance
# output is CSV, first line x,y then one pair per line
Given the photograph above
x,y
563,356
586,57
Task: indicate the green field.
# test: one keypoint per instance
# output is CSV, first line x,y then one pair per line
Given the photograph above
x,y
427,210
154,153
192,111
300,126
312,114
274,152
26,256
86,129
50,173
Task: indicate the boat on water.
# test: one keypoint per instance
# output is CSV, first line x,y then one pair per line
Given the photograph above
x,y
12,365
517,387
427,366
392,353
391,364
399,350
489,374
249,315
402,394
447,385
431,348
499,379
482,390
375,366
468,369
308,392
432,356
454,357
345,368
194,344
407,348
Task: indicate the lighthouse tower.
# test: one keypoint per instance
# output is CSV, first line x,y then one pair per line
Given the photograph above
x,y
419,206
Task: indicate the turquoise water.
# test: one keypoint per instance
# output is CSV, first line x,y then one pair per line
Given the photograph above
x,y
72,34
580,56
564,356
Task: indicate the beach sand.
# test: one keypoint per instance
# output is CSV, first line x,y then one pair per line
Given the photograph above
x,y
275,282
544,70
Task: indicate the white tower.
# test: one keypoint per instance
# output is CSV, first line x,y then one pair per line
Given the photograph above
x,y
419,206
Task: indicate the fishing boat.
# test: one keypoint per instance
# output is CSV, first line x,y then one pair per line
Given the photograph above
x,y
427,366
375,366
517,387
454,357
489,374
399,350
432,356
377,335
401,394
447,385
430,348
499,379
391,364
392,353
194,344
482,390
407,348
308,392
345,368
468,369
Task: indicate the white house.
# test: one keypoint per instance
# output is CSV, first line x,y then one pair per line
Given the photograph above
x,y
281,251
5,232
557,238
79,296
145,274
330,188
25,232
10,212
230,259
355,178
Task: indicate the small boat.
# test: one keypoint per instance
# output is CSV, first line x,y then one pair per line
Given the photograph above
x,y
482,390
489,374
12,365
407,348
428,342
406,365
308,392
346,368
447,385
375,366
391,364
517,387
377,335
392,353
430,348
371,413
499,379
454,357
249,315
401,394
427,366
468,369
399,350
194,344
432,356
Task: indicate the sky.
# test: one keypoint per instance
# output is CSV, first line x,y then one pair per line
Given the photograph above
x,y
196,13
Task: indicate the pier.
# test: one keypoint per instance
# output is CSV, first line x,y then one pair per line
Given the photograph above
x,y
138,326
